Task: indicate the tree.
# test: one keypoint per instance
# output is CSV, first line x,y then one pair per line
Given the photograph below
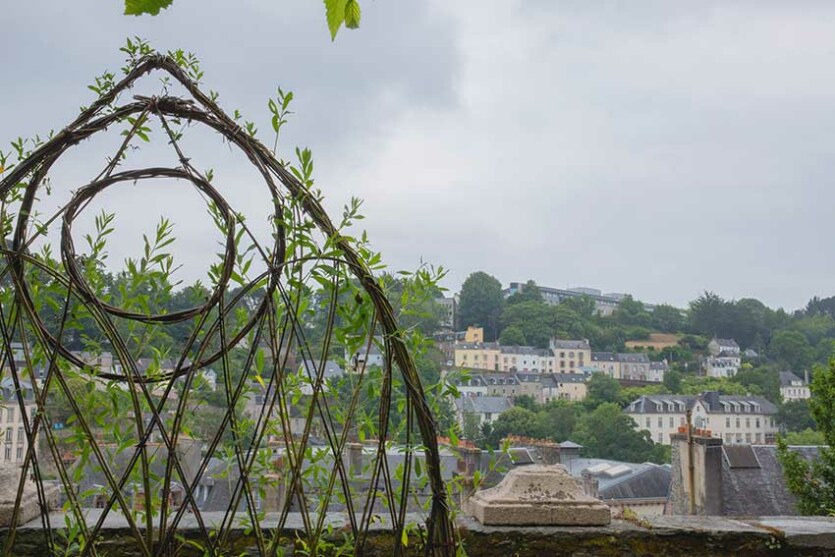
x,y
764,381
513,336
534,319
813,483
528,293
631,312
602,389
607,432
672,381
667,319
514,421
481,303
795,415
792,349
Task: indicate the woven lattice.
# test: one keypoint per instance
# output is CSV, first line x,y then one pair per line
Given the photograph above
x,y
151,472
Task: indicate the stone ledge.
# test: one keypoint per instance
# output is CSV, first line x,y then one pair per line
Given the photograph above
x,y
675,536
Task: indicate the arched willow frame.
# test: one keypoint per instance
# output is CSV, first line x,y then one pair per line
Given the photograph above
x,y
268,325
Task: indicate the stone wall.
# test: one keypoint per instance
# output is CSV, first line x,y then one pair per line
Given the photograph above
x,y
661,535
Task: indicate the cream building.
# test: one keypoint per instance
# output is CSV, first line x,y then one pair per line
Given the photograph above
x,y
14,440
570,355
478,355
734,419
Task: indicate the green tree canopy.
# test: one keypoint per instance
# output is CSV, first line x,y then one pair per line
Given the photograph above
x,y
607,432
813,484
481,303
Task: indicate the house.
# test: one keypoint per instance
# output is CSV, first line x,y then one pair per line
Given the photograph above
x,y
721,366
735,419
793,387
486,409
634,366
719,346
570,355
563,386
626,365
606,362
657,371
478,355
526,359
15,441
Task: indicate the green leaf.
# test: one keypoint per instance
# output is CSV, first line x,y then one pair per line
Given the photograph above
x,y
352,14
150,7
335,14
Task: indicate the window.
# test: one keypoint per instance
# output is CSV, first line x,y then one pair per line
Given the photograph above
x,y
571,354
757,424
660,437
10,413
737,423
648,421
747,422
562,354
660,421
672,422
727,423
748,438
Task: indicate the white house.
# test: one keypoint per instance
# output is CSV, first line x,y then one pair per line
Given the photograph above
x,y
793,387
734,419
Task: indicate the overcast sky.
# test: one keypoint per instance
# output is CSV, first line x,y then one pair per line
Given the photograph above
x,y
633,147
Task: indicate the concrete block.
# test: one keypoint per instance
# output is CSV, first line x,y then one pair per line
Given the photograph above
x,y
538,496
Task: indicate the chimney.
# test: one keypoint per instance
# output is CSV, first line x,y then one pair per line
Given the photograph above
x,y
806,376
590,485
696,487
354,451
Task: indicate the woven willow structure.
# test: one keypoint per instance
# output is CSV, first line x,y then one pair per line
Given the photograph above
x,y
151,465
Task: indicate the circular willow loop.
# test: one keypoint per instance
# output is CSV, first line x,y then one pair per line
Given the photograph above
x,y
88,192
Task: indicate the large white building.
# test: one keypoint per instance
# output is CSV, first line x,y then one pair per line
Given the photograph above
x,y
793,387
734,419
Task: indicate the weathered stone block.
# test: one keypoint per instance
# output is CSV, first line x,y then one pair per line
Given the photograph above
x,y
538,496
29,505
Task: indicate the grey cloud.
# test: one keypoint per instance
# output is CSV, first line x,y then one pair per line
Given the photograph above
x,y
656,149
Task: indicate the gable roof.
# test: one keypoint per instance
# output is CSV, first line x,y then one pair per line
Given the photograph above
x,y
787,378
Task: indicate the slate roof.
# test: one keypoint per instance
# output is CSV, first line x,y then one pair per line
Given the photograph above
x,y
633,358
525,351
483,404
713,402
477,346
761,490
787,379
603,357
332,368
726,342
662,366
570,344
